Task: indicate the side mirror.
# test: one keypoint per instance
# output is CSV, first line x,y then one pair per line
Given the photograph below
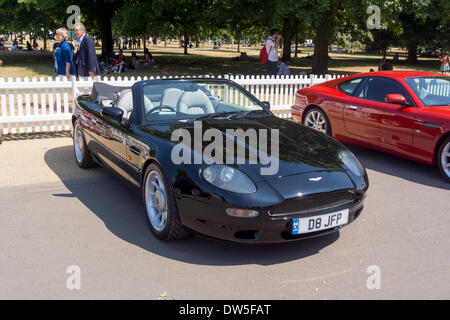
x,y
396,99
112,113
266,104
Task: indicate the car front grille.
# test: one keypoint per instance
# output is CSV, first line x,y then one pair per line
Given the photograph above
x,y
314,203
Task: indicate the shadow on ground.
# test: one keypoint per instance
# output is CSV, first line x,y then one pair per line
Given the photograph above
x,y
399,167
119,206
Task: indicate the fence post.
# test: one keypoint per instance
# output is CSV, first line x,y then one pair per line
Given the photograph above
x,y
74,92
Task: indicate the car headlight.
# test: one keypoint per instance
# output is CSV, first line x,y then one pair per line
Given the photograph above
x,y
228,178
351,162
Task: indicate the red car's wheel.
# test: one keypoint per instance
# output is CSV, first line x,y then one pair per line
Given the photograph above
x,y
316,119
443,159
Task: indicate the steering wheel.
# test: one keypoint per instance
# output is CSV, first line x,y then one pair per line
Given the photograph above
x,y
160,108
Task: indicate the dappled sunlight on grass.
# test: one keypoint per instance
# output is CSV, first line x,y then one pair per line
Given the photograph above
x,y
171,61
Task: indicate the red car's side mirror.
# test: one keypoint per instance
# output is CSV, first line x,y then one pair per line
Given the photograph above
x,y
396,99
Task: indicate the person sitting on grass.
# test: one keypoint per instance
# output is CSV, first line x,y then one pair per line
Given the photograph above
x,y
29,48
284,69
101,67
35,46
149,60
134,63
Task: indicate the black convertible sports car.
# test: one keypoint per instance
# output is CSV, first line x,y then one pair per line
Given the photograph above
x,y
269,180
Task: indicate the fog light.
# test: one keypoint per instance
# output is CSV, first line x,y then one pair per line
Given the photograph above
x,y
241,213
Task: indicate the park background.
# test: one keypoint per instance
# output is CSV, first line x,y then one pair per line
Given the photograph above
x,y
342,43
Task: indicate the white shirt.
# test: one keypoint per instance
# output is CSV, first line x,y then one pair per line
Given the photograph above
x,y
272,52
80,40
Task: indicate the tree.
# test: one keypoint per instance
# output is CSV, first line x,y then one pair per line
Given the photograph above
x,y
242,18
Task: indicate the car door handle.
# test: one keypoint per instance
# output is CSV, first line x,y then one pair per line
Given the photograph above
x,y
135,150
429,125
352,107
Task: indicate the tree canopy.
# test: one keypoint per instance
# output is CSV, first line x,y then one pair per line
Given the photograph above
x,y
411,24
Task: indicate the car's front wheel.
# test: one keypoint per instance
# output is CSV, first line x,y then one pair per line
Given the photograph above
x,y
82,155
316,119
162,213
443,159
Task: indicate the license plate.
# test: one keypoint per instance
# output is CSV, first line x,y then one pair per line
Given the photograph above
x,y
318,223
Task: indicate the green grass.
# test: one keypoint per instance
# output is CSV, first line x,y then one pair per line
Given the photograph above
x,y
171,61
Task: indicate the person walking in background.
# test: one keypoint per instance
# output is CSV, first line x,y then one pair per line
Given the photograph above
x,y
86,56
272,45
63,54
445,63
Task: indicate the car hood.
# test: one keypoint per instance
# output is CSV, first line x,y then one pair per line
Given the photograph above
x,y
301,149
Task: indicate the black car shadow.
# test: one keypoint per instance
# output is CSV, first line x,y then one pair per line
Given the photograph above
x,y
399,167
119,206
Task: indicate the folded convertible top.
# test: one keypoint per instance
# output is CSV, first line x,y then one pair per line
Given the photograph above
x,y
102,91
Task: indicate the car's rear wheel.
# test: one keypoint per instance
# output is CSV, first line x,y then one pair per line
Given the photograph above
x,y
316,119
82,155
443,159
162,213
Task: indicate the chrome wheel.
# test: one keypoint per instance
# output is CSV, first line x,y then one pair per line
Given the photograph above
x,y
445,160
79,144
315,120
156,201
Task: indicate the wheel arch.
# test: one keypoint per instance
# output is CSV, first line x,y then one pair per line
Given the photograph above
x,y
315,106
147,163
438,146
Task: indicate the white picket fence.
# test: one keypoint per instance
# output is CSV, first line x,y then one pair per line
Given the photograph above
x,y
46,105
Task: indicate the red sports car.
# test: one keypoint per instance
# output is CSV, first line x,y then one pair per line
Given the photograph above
x,y
406,113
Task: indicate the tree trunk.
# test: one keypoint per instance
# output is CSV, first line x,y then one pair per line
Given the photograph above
x,y
320,63
145,43
106,30
296,47
185,43
412,51
45,40
288,33
322,40
239,44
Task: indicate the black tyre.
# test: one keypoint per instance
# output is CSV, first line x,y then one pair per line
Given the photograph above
x,y
443,159
161,210
82,155
316,119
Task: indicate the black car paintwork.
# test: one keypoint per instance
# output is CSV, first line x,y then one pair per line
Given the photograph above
x,y
128,148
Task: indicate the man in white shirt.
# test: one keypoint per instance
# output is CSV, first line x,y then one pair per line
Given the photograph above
x,y
272,44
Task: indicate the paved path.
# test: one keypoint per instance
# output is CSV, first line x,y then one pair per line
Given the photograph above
x,y
54,215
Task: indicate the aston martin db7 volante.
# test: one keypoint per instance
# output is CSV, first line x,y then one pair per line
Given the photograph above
x,y
209,158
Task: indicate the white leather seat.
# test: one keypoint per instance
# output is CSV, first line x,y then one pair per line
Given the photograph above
x,y
170,97
126,104
196,102
148,105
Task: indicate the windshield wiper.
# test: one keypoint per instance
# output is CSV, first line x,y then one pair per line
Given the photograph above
x,y
252,112
216,115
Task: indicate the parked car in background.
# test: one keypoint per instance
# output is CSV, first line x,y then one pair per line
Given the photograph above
x,y
406,113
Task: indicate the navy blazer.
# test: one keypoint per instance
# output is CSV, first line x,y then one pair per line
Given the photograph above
x,y
86,58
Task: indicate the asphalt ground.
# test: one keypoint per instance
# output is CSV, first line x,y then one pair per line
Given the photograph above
x,y
54,215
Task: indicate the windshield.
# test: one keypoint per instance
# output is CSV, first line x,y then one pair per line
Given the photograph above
x,y
432,91
183,100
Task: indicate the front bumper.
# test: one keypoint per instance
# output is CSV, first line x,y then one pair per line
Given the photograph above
x,y
211,220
